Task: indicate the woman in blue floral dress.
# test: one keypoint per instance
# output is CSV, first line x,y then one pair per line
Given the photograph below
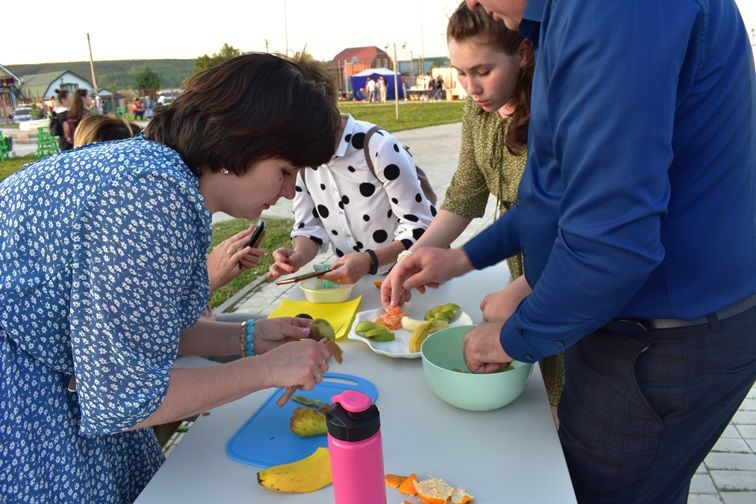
x,y
103,279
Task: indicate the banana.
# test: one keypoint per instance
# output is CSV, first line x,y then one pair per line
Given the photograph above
x,y
410,324
305,475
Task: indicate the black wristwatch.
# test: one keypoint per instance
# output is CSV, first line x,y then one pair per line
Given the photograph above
x,y
373,261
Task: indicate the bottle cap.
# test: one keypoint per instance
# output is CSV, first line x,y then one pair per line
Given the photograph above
x,y
352,416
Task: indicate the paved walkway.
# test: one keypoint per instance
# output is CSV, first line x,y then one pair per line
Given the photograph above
x,y
727,475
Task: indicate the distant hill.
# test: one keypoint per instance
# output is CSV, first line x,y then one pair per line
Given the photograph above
x,y
116,74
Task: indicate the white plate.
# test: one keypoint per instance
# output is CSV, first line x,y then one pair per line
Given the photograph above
x,y
399,347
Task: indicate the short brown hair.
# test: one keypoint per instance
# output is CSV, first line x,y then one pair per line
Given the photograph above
x,y
466,23
248,109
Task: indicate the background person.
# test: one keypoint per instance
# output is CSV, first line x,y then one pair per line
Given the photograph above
x,y
658,317
87,345
80,104
58,116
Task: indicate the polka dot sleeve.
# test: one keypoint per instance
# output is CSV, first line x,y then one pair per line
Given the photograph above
x,y
138,246
306,219
395,169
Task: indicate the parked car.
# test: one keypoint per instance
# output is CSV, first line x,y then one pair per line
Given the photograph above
x,y
22,113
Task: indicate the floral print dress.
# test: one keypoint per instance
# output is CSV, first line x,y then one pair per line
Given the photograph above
x,y
102,263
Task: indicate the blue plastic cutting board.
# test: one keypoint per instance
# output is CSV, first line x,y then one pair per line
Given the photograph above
x,y
265,439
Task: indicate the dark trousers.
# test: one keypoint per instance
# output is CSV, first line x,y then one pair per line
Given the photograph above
x,y
639,413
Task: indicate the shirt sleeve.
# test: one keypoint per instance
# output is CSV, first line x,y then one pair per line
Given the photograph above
x,y
613,114
468,192
134,261
306,221
395,169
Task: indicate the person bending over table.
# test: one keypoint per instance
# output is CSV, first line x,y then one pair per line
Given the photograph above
x,y
636,223
368,216
103,279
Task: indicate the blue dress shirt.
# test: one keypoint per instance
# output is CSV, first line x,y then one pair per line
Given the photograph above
x,y
638,198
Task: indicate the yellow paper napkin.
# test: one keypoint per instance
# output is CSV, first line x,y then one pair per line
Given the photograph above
x,y
339,315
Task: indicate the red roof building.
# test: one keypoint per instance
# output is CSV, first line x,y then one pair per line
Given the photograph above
x,y
356,59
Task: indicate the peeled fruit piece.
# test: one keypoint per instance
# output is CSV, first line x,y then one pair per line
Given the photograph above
x,y
374,331
408,485
391,318
320,329
433,491
447,312
460,496
308,422
418,336
410,324
394,480
305,475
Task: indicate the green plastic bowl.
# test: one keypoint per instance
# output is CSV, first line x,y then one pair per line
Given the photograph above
x,y
448,376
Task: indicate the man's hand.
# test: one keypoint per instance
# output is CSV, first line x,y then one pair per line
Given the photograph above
x,y
427,267
500,305
483,351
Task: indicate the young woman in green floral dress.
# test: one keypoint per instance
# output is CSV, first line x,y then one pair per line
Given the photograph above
x,y
495,66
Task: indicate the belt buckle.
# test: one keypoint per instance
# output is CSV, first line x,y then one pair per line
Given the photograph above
x,y
630,327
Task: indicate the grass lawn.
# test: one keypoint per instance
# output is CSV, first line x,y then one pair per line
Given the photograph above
x,y
12,165
276,235
411,114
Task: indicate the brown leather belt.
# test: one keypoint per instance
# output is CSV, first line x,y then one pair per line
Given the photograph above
x,y
631,326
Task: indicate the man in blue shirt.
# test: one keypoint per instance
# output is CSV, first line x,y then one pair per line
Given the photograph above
x,y
637,222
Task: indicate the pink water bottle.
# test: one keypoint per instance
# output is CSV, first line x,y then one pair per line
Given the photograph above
x,y
354,443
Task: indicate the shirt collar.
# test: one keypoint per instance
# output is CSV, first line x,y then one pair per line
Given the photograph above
x,y
530,26
349,128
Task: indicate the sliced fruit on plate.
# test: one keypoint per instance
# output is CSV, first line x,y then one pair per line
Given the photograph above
x,y
391,318
448,312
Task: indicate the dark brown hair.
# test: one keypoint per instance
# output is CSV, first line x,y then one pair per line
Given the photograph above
x,y
466,23
253,107
77,109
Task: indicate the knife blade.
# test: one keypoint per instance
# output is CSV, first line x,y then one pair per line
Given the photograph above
x,y
305,276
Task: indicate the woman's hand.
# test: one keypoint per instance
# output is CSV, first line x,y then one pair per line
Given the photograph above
x,y
271,333
232,256
287,261
296,364
349,268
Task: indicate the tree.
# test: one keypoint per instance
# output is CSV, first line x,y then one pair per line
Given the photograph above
x,y
204,62
147,80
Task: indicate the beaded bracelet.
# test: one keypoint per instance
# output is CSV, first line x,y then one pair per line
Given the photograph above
x,y
247,338
402,255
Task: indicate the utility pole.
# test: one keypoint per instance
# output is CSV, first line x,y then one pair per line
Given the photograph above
x,y
396,85
286,29
91,68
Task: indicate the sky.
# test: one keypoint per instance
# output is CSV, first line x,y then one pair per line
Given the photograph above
x,y
141,29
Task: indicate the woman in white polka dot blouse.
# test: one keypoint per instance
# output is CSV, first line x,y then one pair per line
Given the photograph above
x,y
368,216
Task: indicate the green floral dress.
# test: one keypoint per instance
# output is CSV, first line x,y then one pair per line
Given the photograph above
x,y
487,167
